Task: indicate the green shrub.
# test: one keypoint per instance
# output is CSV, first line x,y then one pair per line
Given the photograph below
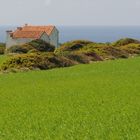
x,y
84,57
19,49
114,52
42,46
78,58
33,46
2,48
125,41
93,52
33,51
72,45
40,54
131,48
34,61
101,51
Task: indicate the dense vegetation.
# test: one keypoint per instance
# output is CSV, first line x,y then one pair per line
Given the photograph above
x,y
120,49
37,54
2,59
126,41
97,101
2,48
35,61
33,46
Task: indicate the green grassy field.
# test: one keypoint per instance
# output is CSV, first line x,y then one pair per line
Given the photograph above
x,y
99,101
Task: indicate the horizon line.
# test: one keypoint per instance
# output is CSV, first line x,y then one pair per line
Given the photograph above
x,y
71,25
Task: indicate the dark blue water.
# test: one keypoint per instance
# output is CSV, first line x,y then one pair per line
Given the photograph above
x,y
93,33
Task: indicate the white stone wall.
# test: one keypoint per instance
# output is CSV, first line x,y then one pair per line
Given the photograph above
x,y
54,38
45,37
10,41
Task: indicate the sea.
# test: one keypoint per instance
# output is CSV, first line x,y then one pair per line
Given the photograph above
x,y
92,33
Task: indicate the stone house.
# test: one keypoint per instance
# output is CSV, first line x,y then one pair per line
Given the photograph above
x,y
27,33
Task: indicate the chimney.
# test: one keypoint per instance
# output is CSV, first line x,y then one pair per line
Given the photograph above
x,y
19,28
26,24
9,31
11,34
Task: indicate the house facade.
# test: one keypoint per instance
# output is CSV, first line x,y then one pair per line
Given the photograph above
x,y
27,33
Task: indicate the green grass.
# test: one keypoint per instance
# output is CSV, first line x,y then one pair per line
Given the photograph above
x,y
98,101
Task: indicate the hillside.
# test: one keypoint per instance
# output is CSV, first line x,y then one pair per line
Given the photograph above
x,y
39,55
95,101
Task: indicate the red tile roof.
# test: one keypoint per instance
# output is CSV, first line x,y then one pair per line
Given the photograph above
x,y
27,34
32,31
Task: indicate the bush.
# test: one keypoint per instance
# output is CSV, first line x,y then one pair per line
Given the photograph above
x,y
33,51
2,48
33,46
34,61
42,46
101,51
70,53
72,46
131,49
19,49
114,53
125,41
84,57
78,58
93,52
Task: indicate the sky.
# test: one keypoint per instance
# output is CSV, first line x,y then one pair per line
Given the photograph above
x,y
70,12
